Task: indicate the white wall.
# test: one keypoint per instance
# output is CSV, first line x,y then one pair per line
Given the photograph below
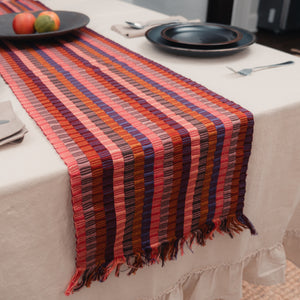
x,y
191,9
244,14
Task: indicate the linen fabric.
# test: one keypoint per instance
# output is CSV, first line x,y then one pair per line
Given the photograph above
x,y
155,160
12,128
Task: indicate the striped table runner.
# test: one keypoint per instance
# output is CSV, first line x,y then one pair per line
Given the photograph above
x,y
155,160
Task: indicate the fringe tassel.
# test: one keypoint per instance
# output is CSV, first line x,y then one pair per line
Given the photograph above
x,y
244,220
166,251
74,282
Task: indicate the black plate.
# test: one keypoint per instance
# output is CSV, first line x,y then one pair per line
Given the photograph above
x,y
154,36
69,20
211,35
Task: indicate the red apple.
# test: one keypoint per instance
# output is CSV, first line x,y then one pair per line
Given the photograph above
x,y
23,23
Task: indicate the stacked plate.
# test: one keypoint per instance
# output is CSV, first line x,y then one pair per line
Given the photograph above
x,y
205,39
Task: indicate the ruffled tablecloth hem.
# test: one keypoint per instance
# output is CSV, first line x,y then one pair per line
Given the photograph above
x,y
291,244
264,267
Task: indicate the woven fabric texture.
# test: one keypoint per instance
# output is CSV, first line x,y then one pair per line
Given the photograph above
x,y
155,160
290,290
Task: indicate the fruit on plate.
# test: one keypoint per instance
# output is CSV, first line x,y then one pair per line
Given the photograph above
x,y
54,16
23,23
47,21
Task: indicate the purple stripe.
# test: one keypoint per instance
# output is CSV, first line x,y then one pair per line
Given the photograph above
x,y
103,153
218,124
149,184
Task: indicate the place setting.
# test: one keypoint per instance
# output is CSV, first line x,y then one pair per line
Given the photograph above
x,y
200,39
134,29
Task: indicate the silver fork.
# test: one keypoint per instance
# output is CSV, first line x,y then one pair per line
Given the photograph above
x,y
248,71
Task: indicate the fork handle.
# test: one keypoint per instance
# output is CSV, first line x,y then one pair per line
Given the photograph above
x,y
275,65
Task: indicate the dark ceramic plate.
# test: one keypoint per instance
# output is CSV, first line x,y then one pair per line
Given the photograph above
x,y
201,34
154,36
69,21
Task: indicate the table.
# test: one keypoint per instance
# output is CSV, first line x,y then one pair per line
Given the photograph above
x,y
37,236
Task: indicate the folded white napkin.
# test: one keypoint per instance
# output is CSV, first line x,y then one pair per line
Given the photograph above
x,y
129,32
11,128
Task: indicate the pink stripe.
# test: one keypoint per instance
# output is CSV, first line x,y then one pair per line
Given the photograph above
x,y
158,188
2,11
195,149
12,7
62,151
222,117
154,139
114,150
32,5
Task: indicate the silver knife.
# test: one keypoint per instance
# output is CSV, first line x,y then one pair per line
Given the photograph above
x,y
4,121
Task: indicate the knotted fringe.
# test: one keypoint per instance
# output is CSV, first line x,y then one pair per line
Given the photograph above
x,y
166,251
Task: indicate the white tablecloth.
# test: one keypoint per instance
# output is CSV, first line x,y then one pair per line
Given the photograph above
x,y
37,242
